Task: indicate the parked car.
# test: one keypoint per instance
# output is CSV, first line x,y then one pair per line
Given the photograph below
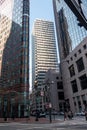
x,y
34,112
54,113
80,114
61,113
47,113
42,114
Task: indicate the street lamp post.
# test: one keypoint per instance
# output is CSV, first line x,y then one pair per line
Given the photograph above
x,y
48,83
35,85
50,107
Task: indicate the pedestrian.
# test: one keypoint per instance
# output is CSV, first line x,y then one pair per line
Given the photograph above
x,y
37,115
5,116
70,114
86,115
65,114
86,112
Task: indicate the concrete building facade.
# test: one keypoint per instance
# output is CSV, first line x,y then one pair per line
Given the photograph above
x,y
54,89
74,74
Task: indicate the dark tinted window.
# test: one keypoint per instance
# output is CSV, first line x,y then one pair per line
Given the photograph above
x,y
61,95
59,85
74,86
80,65
83,82
71,70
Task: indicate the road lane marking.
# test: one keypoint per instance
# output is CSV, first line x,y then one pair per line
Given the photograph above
x,y
30,128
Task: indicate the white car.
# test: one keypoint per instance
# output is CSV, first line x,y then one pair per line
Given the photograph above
x,y
43,114
80,114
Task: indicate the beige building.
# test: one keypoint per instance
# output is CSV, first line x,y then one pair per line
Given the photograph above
x,y
74,74
44,56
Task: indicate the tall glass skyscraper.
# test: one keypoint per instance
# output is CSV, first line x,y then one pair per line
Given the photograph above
x,y
14,57
69,34
44,52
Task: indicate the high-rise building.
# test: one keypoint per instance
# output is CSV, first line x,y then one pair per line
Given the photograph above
x,y
74,69
44,57
44,52
14,58
72,43
69,33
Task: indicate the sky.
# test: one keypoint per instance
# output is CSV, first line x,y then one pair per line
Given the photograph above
x,y
41,9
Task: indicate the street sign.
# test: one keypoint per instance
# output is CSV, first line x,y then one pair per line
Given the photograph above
x,y
42,93
50,105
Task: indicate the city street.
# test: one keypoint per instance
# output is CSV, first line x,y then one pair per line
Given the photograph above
x,y
78,123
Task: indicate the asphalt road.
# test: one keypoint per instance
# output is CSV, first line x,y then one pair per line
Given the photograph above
x,y
56,126
77,123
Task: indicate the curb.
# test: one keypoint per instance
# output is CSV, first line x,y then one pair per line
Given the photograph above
x,y
30,120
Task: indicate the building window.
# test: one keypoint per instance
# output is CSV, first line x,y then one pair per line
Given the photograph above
x,y
79,103
74,101
83,81
59,85
84,46
57,77
84,99
68,61
79,51
74,86
86,55
60,106
71,70
71,58
80,64
75,55
61,95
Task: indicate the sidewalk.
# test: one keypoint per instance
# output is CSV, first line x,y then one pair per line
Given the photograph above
x,y
30,120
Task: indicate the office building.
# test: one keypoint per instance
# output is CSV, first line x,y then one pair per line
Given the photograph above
x,y
69,33
72,51
14,58
44,56
79,8
75,83
44,52
53,89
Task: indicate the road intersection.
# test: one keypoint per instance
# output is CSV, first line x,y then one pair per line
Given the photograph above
x,y
74,124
